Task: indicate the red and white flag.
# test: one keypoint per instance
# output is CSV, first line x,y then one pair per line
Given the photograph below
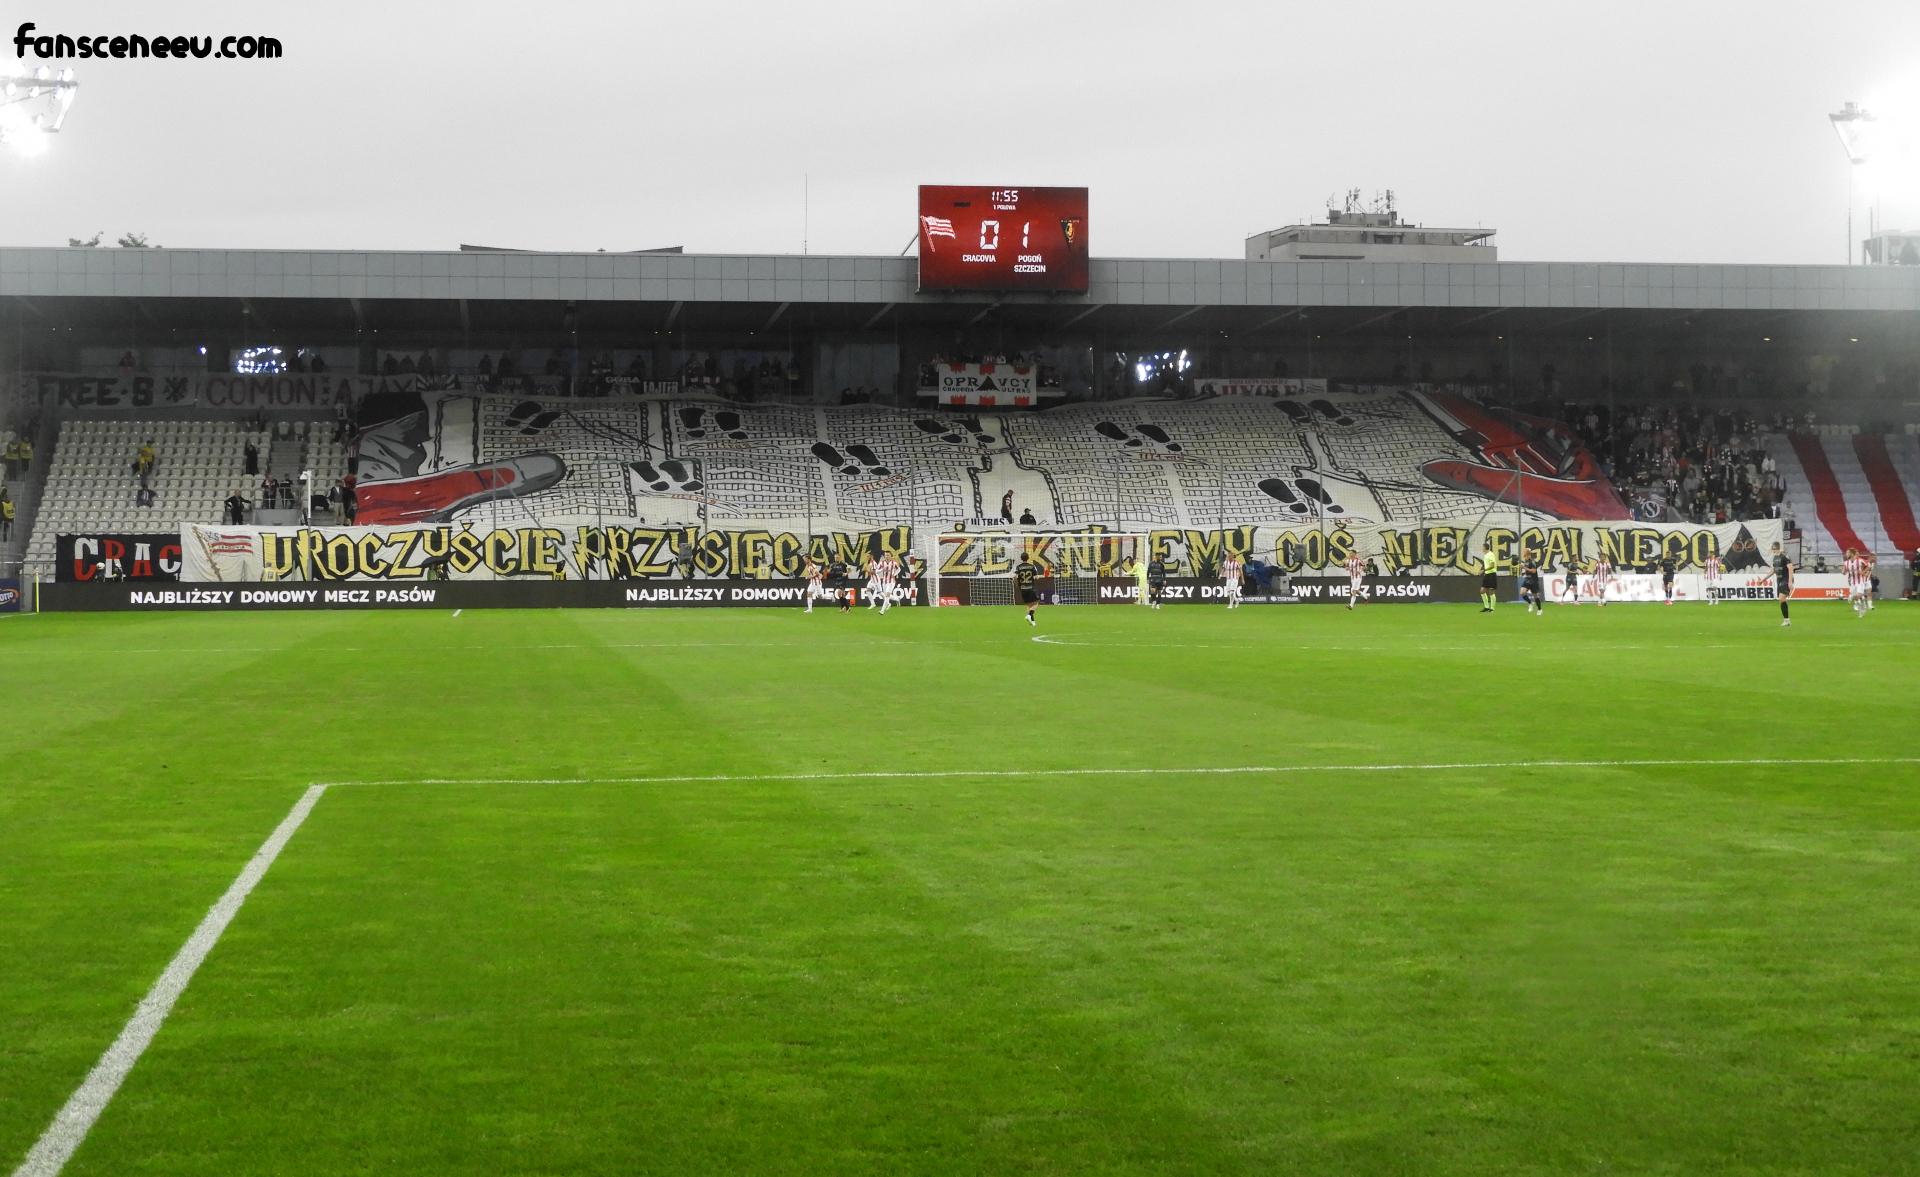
x,y
937,227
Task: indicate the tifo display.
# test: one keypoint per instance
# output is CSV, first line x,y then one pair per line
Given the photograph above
x,y
1270,480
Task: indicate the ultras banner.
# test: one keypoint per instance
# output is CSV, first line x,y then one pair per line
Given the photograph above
x,y
95,556
563,551
630,549
1441,549
214,390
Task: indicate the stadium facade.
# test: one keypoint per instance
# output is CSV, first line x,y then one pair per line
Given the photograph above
x,y
1844,336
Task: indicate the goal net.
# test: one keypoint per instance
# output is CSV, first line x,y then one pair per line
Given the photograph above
x,y
1073,561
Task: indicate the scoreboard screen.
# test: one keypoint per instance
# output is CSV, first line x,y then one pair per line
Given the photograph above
x,y
1002,238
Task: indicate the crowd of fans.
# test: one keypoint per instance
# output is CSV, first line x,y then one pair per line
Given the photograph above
x,y
1702,465
406,365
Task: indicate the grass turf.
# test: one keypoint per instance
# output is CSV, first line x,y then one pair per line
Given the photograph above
x,y
1652,969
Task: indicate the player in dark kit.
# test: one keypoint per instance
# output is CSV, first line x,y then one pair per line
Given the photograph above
x,y
1489,578
1024,574
837,581
1531,590
1782,581
1666,578
1156,580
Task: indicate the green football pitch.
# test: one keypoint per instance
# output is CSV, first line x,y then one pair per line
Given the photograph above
x,y
750,891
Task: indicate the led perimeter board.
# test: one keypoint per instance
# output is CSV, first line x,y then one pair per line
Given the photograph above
x,y
1002,238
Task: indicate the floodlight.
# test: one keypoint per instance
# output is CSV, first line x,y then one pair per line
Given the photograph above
x,y
1850,122
33,105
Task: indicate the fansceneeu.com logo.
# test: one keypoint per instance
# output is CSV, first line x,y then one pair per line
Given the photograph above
x,y
61,45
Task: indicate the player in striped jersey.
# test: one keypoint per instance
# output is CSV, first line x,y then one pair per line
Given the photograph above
x,y
1713,578
1859,581
1231,570
1600,576
883,581
816,583
1356,577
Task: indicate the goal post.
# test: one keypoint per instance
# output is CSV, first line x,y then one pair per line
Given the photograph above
x,y
1073,560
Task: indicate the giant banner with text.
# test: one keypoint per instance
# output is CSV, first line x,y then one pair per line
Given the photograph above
x,y
1436,550
563,550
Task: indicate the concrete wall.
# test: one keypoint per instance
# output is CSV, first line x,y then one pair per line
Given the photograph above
x,y
197,273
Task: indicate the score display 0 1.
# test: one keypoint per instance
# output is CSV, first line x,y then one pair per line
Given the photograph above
x,y
980,238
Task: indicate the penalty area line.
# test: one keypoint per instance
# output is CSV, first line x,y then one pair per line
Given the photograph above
x,y
1056,772
73,1121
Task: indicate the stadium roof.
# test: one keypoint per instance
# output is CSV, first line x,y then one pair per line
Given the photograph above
x,y
879,281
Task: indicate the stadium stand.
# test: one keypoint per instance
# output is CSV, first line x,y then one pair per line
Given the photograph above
x,y
1852,490
1699,464
1376,456
91,484
1379,455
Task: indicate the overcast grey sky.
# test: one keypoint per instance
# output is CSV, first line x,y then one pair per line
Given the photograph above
x,y
1617,131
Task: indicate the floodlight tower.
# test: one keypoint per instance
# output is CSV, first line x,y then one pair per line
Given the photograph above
x,y
33,105
1851,122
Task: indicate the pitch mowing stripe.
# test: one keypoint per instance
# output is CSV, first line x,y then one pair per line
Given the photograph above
x,y
72,1122
1044,772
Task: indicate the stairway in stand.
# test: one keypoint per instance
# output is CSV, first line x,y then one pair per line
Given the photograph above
x,y
1828,499
1889,493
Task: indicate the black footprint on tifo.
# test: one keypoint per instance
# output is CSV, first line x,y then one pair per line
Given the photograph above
x,y
863,454
859,453
972,425
832,457
1160,435
1319,494
690,419
1326,409
1277,488
1295,410
1109,429
938,429
529,419
729,420
657,479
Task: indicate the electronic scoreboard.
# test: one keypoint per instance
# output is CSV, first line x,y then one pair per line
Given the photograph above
x,y
1002,238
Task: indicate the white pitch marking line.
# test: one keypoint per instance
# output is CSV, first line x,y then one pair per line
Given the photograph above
x,y
1040,772
72,1122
